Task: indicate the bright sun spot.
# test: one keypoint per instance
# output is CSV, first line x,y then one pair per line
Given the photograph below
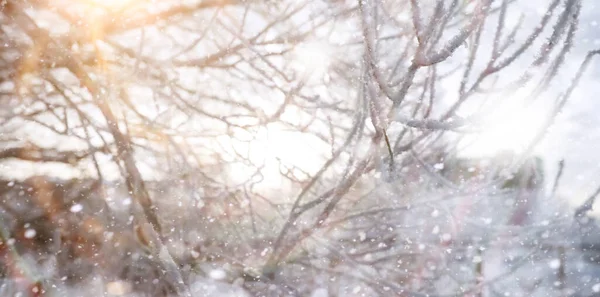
x,y
110,3
274,150
111,6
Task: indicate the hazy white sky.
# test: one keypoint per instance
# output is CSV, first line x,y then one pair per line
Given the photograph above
x,y
574,136
576,133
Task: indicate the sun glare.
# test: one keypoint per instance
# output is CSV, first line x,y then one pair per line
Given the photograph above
x,y
276,150
110,3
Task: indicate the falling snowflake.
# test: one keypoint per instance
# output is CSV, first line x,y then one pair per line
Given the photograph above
x,y
218,274
76,208
554,263
30,233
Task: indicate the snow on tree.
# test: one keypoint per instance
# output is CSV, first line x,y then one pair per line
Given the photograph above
x,y
301,148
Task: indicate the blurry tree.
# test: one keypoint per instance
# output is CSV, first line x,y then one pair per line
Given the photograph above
x,y
270,139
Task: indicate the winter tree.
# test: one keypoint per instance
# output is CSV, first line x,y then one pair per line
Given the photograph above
x,y
275,148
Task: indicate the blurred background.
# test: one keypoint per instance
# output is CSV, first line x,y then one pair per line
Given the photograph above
x,y
299,148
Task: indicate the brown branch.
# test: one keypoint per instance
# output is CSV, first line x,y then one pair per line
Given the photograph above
x,y
34,153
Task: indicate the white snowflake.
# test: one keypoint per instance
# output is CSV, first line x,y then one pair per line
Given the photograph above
x,y
76,208
30,233
554,263
217,274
